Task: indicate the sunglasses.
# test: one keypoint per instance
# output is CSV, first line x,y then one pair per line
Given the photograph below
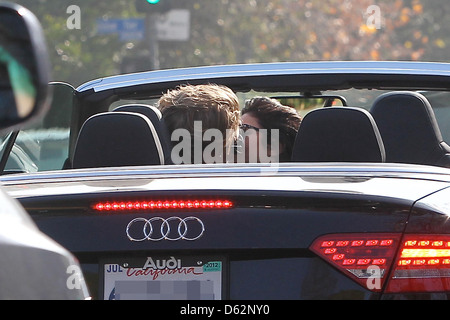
x,y
246,127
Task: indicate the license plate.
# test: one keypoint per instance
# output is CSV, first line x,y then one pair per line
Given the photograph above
x,y
164,278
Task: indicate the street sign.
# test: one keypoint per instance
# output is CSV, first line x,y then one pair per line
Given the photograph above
x,y
132,29
175,25
128,29
109,26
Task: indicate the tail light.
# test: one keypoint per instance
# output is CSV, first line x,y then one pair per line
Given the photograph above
x,y
366,258
423,265
412,263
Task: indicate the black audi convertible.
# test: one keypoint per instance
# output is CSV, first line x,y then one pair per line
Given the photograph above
x,y
361,211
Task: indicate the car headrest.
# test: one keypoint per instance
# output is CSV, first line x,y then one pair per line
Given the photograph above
x,y
338,134
409,129
151,112
115,139
156,118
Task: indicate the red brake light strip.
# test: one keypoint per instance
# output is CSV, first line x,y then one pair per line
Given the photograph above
x,y
162,205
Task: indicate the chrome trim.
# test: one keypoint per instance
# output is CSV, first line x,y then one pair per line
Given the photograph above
x,y
235,170
165,232
268,69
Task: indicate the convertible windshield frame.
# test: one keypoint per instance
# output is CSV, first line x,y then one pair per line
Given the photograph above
x,y
286,76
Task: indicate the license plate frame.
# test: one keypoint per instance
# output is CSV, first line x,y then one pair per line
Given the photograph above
x,y
164,277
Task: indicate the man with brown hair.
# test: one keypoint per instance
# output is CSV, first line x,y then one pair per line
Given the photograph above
x,y
201,115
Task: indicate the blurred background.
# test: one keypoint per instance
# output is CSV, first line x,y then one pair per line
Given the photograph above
x,y
88,39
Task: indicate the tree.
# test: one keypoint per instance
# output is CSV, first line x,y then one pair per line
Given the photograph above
x,y
243,31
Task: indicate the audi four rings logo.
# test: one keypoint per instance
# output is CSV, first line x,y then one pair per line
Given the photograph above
x,y
172,229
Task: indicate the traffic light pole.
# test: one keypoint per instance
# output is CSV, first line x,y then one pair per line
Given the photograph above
x,y
152,40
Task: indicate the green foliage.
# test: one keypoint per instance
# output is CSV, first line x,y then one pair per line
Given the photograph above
x,y
243,31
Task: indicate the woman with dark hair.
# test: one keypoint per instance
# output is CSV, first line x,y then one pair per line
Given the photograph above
x,y
266,113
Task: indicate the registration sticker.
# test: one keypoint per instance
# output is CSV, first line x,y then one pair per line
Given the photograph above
x,y
164,278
